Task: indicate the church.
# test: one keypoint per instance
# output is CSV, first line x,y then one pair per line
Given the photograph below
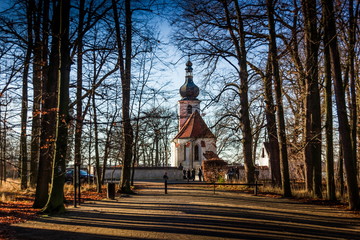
x,y
194,141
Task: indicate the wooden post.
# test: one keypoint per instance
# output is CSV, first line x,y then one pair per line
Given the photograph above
x,y
165,186
111,190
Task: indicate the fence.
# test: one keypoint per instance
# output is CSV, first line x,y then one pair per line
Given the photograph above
x,y
255,185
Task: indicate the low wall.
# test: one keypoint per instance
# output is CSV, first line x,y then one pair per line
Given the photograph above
x,y
146,173
174,173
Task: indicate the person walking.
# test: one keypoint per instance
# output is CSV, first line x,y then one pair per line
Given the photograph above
x,y
200,174
193,172
188,175
165,177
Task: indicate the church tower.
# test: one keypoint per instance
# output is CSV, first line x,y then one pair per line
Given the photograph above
x,y
194,141
189,92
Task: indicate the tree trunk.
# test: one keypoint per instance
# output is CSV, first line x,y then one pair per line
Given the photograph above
x,y
312,102
341,170
239,44
47,117
125,72
137,130
352,76
36,111
97,157
270,117
2,150
60,48
344,128
330,181
24,102
79,112
280,112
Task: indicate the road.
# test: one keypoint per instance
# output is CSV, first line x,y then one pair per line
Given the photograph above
x,y
193,213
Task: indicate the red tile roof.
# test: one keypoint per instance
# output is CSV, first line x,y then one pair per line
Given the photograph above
x,y
195,127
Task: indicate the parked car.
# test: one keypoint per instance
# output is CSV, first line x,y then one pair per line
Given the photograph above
x,y
84,176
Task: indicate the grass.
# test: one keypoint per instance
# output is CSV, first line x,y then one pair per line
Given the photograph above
x,y
10,191
299,193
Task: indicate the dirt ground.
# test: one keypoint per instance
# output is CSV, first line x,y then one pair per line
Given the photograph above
x,y
193,213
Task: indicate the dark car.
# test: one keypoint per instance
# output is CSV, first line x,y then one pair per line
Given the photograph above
x,y
84,176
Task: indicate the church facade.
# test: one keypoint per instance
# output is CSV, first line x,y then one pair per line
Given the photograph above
x,y
194,141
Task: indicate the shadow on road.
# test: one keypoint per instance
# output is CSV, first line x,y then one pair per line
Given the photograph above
x,y
193,214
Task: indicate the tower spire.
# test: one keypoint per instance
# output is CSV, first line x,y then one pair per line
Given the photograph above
x,y
189,91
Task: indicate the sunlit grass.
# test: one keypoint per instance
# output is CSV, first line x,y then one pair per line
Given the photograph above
x,y
298,191
10,190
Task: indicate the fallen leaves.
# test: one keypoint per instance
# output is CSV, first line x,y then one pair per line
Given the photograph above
x,y
20,208
16,211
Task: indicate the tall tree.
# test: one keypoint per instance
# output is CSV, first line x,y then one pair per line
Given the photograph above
x,y
330,181
312,101
61,51
270,116
239,44
280,112
125,74
79,112
48,98
38,74
96,136
352,75
344,127
24,105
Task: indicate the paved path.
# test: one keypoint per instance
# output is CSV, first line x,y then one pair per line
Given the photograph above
x,y
193,214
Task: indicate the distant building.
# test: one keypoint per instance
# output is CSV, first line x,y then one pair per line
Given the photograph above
x,y
194,141
264,158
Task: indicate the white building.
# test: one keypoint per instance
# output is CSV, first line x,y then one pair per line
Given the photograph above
x,y
264,157
194,140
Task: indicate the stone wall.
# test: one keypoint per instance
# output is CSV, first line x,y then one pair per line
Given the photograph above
x,y
146,173
174,174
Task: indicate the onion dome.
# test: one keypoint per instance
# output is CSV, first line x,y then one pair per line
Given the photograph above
x,y
189,91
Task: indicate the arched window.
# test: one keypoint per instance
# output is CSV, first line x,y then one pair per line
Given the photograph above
x,y
189,109
196,150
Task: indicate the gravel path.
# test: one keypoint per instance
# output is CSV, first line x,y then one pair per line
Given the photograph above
x,y
193,213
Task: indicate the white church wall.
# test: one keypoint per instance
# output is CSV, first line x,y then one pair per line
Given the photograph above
x,y
174,156
204,144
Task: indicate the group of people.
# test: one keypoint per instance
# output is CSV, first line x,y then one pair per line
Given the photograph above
x,y
233,173
190,174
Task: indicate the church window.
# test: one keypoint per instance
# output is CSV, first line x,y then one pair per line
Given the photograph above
x,y
196,150
189,109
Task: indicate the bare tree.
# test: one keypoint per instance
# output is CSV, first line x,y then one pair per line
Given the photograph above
x,y
61,52
24,106
344,127
313,118
125,73
280,112
330,181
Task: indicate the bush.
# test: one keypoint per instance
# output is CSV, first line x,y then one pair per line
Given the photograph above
x,y
214,170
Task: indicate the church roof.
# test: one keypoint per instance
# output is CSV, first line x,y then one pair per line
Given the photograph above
x,y
195,127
